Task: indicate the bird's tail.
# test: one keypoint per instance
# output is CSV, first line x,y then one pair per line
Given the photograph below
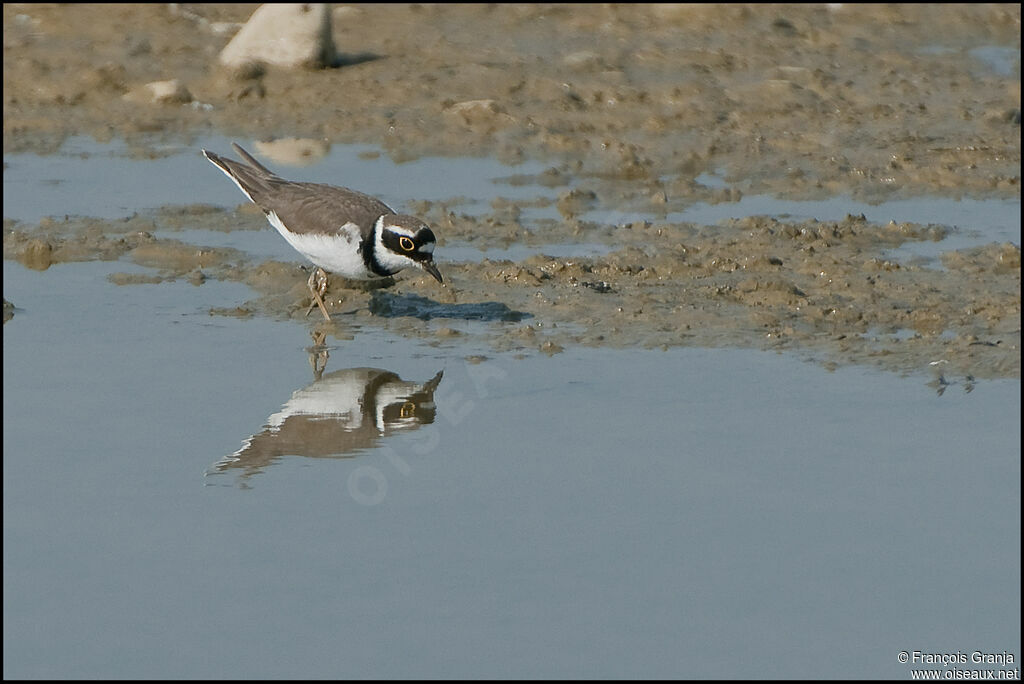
x,y
251,177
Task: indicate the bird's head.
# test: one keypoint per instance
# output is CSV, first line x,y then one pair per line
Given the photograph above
x,y
405,241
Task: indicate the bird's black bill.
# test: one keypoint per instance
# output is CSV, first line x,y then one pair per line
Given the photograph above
x,y
430,268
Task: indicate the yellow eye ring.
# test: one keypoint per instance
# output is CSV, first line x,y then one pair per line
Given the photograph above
x,y
408,410
406,244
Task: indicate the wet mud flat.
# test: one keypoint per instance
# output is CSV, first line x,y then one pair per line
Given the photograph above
x,y
629,106
823,288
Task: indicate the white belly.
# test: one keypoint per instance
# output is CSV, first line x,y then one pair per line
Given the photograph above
x,y
338,254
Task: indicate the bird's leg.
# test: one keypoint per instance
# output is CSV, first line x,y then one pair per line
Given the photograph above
x,y
318,353
317,287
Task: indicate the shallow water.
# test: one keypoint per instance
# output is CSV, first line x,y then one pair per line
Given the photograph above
x,y
110,181
106,181
598,513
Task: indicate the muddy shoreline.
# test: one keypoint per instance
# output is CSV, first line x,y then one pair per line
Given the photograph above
x,y
630,104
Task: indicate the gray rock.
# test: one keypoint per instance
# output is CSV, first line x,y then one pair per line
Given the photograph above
x,y
286,35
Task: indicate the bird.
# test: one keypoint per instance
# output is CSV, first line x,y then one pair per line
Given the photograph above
x,y
339,415
342,231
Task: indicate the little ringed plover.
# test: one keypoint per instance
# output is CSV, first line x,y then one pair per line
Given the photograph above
x,y
340,230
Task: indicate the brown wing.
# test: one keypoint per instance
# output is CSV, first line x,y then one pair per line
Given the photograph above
x,y
303,207
319,208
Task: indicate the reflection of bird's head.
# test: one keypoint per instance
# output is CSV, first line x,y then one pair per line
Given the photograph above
x,y
399,408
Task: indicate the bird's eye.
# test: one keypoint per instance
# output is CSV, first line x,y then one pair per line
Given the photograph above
x,y
408,410
406,244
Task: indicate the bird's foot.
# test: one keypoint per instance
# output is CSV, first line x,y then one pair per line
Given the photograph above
x,y
317,287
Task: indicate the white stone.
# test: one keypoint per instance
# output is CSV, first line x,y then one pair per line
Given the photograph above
x,y
294,151
161,92
286,35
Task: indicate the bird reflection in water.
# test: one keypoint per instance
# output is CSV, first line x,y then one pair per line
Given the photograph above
x,y
339,415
